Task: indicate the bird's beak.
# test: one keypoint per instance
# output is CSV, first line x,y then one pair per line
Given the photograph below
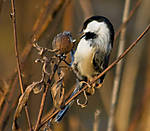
x,y
81,34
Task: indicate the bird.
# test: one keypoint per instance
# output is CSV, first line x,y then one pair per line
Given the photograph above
x,y
92,54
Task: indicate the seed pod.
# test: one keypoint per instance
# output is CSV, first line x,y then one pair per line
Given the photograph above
x,y
63,43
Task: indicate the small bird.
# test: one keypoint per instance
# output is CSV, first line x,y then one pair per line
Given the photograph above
x,y
93,51
92,54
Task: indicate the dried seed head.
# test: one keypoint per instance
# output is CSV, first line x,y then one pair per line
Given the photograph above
x,y
63,42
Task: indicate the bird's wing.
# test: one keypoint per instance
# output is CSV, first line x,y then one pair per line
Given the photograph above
x,y
100,62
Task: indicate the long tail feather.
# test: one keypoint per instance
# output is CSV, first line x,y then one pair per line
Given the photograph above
x,y
61,113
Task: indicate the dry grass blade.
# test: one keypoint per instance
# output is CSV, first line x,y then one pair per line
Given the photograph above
x,y
17,56
98,77
22,102
118,69
57,91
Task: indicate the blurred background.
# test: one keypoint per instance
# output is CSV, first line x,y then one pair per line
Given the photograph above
x,y
37,18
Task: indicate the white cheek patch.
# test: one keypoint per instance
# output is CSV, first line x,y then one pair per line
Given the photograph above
x,y
97,28
103,33
100,29
92,27
104,39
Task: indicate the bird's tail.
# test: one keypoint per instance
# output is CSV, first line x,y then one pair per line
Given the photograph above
x,y
61,113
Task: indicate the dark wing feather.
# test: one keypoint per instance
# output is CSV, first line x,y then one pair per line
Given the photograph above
x,y
100,62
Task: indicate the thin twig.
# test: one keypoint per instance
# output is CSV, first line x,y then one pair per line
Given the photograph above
x,y
41,107
13,14
132,12
17,57
44,97
119,66
98,77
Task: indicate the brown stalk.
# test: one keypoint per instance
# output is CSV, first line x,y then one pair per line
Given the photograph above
x,y
132,12
94,80
17,57
43,99
41,107
40,28
119,66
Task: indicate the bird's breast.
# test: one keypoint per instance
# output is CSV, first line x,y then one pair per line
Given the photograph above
x,y
83,59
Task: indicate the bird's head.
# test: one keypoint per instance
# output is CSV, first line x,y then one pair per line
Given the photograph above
x,y
96,26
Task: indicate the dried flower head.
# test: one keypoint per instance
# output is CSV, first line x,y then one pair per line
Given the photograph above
x,y
63,42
